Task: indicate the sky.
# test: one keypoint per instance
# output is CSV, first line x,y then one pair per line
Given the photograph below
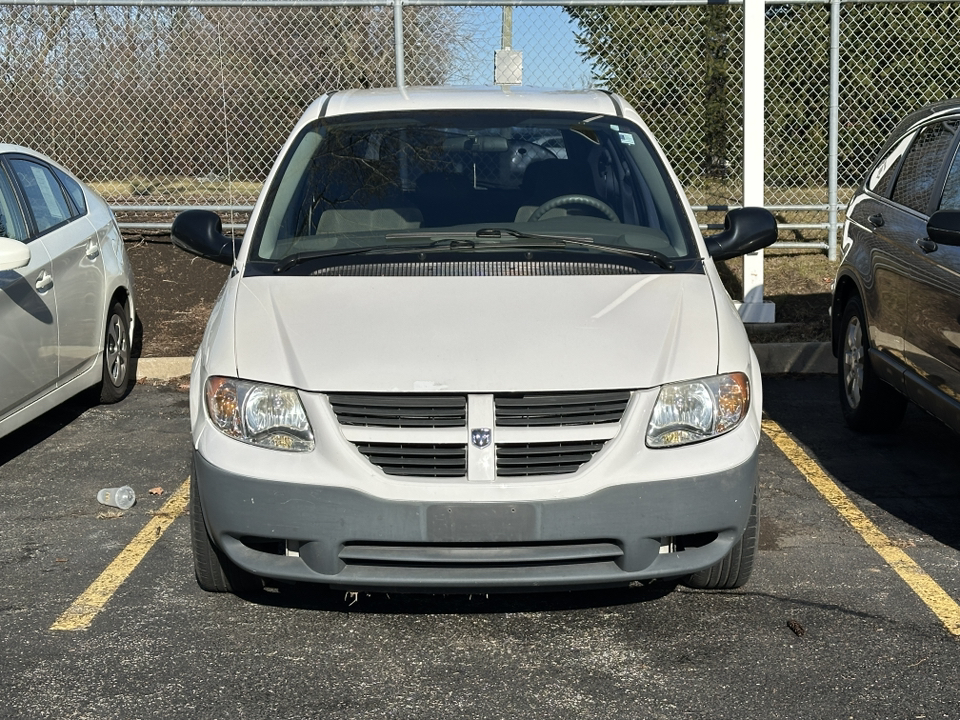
x,y
544,35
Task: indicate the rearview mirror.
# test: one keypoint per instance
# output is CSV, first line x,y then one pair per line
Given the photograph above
x,y
745,230
13,254
201,232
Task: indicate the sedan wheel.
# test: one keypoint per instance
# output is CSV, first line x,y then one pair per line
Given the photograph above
x,y
117,378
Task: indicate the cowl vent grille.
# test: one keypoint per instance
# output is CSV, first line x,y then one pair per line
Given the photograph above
x,y
475,269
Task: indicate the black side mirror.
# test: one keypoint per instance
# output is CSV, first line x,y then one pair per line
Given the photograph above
x,y
745,230
201,232
943,227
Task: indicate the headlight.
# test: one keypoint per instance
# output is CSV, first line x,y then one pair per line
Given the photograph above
x,y
265,415
693,411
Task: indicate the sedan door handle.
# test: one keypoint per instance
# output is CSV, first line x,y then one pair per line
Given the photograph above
x,y
876,220
927,245
93,249
44,282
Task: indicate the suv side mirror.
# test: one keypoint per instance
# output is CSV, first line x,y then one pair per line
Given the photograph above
x,y
201,232
943,227
745,230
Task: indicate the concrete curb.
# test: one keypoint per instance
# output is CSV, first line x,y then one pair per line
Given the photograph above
x,y
800,357
775,359
163,368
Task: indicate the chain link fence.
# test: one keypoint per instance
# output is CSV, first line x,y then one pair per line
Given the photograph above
x,y
164,106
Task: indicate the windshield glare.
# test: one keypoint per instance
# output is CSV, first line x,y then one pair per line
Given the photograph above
x,y
386,179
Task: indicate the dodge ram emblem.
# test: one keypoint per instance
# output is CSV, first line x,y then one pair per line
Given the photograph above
x,y
480,437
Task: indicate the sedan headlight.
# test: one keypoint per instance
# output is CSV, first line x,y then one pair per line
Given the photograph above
x,y
698,410
266,415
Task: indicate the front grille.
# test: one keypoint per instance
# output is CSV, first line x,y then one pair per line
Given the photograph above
x,y
417,460
560,458
557,409
400,411
429,435
476,269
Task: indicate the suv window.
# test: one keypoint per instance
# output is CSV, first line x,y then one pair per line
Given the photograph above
x,y
882,176
921,166
43,193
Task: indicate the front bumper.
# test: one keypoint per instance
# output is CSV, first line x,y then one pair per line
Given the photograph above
x,y
348,539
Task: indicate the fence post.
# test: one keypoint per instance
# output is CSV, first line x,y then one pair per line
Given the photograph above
x,y
398,41
753,308
833,179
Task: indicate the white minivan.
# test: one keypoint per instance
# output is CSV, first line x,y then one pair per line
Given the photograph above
x,y
473,340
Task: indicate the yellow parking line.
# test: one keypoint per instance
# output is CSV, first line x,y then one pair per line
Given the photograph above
x,y
85,608
926,588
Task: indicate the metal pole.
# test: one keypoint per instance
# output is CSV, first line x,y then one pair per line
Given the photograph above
x,y
753,308
832,179
398,41
506,31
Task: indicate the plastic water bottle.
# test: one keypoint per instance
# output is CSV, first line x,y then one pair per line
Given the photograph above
x,y
121,497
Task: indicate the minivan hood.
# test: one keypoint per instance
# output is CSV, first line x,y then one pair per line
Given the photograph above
x,y
475,334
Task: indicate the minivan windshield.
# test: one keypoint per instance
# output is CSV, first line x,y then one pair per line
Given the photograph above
x,y
469,180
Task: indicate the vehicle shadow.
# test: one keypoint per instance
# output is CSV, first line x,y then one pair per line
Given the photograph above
x,y
42,428
303,596
912,473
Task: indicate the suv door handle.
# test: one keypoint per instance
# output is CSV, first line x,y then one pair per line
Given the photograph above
x,y
876,220
926,244
44,282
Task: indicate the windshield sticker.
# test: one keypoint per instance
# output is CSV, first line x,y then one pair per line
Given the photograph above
x,y
627,138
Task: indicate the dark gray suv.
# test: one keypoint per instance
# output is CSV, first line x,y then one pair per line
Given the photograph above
x,y
896,301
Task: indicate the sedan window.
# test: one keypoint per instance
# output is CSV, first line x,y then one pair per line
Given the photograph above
x,y
11,222
43,193
921,166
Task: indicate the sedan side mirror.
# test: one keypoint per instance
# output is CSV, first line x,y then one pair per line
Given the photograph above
x,y
13,254
944,227
745,230
201,232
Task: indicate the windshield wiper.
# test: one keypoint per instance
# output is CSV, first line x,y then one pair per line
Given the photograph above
x,y
651,255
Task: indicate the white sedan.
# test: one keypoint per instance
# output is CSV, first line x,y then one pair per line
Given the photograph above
x,y
66,291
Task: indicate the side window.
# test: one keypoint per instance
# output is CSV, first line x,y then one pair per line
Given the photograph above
x,y
950,200
11,222
74,191
881,179
43,193
921,166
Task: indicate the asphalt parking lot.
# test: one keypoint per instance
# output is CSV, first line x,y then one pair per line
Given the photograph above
x,y
851,613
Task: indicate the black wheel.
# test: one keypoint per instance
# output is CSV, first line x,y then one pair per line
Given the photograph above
x,y
562,200
214,570
117,376
868,403
735,568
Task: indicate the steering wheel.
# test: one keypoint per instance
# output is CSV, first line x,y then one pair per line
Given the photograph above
x,y
562,200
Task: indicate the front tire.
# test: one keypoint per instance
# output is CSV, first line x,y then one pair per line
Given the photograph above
x,y
868,403
117,376
215,571
735,568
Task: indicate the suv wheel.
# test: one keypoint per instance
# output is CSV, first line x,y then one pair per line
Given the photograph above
x,y
868,403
